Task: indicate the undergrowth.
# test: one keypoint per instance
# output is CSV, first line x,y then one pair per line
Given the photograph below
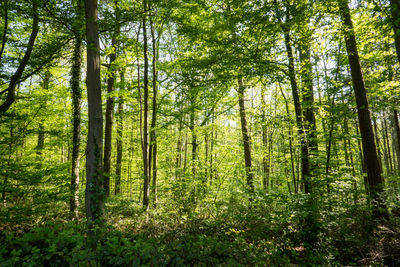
x,y
274,230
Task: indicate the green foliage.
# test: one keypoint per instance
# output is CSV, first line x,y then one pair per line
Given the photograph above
x,y
241,236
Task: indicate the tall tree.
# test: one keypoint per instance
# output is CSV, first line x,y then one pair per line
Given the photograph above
x,y
110,102
76,123
146,169
246,138
395,12
153,132
94,150
76,92
120,131
375,180
305,161
307,93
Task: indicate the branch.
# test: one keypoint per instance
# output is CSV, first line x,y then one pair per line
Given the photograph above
x,y
5,30
18,73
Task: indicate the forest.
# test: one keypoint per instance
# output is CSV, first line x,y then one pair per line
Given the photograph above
x,y
200,133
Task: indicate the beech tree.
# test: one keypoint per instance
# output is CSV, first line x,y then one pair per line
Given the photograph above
x,y
375,180
94,149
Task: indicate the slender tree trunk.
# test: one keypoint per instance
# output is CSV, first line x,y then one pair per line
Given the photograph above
x,y
391,167
41,130
305,162
385,148
329,147
146,174
178,169
246,139
120,133
395,9
396,144
213,137
376,134
308,102
94,175
153,132
295,186
265,161
110,104
375,180
185,154
194,136
76,92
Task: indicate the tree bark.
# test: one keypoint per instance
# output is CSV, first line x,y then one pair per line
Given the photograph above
x,y
265,160
120,132
146,174
110,106
76,92
194,136
395,12
94,194
396,144
153,132
375,180
308,101
295,186
246,139
391,167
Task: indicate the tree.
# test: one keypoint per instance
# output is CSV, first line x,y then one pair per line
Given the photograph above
x,y
76,92
375,180
246,138
94,149
110,102
153,132
146,163
10,98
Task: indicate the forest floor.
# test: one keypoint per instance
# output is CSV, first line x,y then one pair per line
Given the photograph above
x,y
282,232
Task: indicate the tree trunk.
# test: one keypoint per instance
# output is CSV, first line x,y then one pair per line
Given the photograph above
x,y
110,106
153,133
308,102
178,169
194,138
376,134
395,12
41,130
305,162
146,174
120,132
246,139
94,194
295,186
265,160
76,92
391,162
396,143
375,180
